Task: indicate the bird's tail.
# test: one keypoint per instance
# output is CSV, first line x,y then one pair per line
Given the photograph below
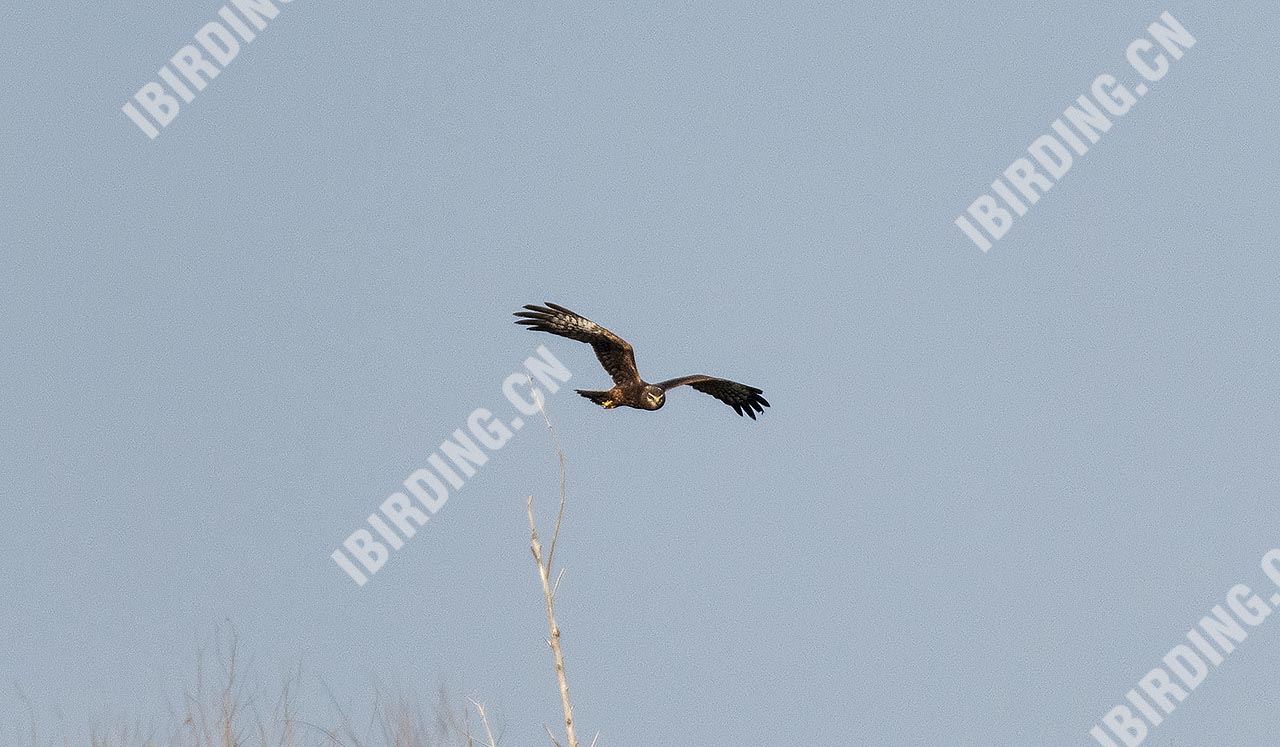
x,y
600,398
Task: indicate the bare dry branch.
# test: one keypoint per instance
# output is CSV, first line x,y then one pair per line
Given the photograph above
x,y
548,592
544,573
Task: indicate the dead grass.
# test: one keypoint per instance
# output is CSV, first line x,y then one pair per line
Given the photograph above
x,y
223,708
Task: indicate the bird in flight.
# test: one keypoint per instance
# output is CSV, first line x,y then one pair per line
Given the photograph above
x,y
619,361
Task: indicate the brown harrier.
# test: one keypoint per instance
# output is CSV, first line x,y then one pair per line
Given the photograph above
x,y
620,362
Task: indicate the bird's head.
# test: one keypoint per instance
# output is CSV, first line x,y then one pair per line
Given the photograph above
x,y
654,397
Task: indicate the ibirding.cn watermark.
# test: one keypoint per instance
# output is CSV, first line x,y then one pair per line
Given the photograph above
x,y
1086,120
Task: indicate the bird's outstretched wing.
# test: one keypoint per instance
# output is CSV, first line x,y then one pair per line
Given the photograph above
x,y
745,400
614,353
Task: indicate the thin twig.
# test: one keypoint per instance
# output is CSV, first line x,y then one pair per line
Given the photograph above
x,y
556,588
485,720
555,439
554,741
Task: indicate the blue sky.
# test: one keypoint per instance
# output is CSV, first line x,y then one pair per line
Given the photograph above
x,y
992,491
